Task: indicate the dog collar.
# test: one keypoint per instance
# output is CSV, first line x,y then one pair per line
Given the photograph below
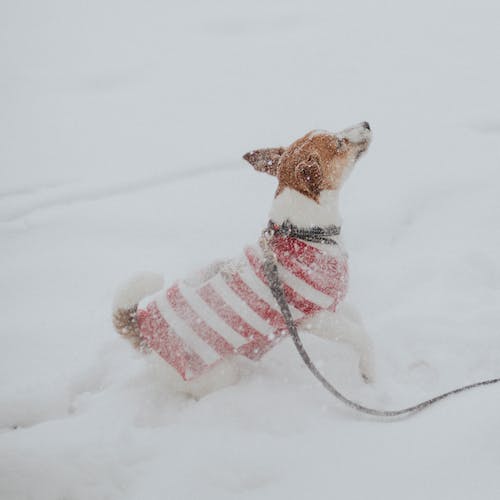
x,y
314,234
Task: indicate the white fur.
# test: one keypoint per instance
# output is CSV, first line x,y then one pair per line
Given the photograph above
x,y
136,288
357,134
219,376
346,325
304,212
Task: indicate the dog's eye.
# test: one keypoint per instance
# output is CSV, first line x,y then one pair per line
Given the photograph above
x,y
340,144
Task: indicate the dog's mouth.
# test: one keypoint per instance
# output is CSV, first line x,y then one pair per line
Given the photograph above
x,y
361,147
359,138
358,134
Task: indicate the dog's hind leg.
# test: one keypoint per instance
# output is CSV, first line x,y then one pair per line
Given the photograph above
x,y
125,304
346,325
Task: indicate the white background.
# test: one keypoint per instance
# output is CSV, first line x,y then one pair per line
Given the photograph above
x,y
122,125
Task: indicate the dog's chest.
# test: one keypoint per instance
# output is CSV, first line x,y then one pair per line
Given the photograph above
x,y
229,309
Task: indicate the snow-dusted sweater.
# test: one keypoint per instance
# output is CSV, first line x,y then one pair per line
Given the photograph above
x,y
228,308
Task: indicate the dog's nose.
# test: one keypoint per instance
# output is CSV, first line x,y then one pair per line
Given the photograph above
x,y
366,125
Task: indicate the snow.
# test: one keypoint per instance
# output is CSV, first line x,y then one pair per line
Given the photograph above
x,y
122,127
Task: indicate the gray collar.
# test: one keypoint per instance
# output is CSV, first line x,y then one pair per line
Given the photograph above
x,y
313,234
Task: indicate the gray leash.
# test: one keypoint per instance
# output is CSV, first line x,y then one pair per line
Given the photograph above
x,y
276,286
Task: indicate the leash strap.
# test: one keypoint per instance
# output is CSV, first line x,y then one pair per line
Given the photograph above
x,y
270,267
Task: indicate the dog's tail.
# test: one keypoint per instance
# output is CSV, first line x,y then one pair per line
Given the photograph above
x,y
125,304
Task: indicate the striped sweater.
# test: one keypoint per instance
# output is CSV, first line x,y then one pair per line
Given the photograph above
x,y
229,308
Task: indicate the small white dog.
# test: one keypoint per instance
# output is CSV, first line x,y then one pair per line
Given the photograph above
x,y
199,325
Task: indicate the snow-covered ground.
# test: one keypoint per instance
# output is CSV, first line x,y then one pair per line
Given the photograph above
x,y
122,125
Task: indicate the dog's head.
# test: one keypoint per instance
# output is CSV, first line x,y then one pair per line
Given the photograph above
x,y
318,161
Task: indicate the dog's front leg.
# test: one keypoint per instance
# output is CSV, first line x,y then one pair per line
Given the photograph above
x,y
346,325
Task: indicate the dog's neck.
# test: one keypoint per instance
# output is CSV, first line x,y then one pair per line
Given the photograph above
x,y
304,212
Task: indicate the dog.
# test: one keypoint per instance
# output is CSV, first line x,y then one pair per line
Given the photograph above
x,y
199,325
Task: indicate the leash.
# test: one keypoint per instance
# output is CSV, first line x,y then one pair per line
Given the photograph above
x,y
270,266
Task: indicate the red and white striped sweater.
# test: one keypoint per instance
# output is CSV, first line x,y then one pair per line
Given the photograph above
x,y
230,310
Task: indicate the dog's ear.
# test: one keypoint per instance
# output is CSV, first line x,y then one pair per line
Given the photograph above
x,y
309,176
265,160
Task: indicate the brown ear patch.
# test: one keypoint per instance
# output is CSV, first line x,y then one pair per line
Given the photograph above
x,y
265,160
309,176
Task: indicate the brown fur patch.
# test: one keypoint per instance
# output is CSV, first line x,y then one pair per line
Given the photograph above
x,y
125,322
314,163
265,160
329,153
310,176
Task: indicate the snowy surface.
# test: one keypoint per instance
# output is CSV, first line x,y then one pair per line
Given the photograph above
x,y
122,127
